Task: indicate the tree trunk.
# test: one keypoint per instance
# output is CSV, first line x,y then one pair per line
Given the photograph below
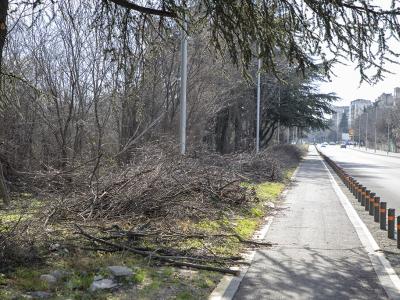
x,y
3,26
221,128
129,126
238,128
3,32
3,187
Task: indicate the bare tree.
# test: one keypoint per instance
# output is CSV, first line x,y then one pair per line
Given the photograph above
x,y
3,32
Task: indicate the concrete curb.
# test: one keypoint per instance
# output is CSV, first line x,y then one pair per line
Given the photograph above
x,y
227,287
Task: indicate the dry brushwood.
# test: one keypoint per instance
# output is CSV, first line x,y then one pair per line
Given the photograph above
x,y
152,197
164,185
178,261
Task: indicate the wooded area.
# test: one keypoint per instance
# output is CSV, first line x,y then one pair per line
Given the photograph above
x,y
79,90
89,105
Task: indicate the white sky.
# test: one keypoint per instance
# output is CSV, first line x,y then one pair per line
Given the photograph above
x,y
347,86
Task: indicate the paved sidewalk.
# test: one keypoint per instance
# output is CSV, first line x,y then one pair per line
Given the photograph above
x,y
318,253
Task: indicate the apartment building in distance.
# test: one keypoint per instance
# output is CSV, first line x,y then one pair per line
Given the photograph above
x,y
385,100
338,112
356,109
396,96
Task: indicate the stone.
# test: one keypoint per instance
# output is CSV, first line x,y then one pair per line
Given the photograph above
x,y
270,205
50,279
120,271
102,284
59,274
54,247
40,295
97,277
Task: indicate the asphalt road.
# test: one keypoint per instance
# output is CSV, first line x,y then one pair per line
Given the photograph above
x,y
318,254
381,174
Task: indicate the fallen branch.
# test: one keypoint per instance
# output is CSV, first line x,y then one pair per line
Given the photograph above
x,y
131,234
172,260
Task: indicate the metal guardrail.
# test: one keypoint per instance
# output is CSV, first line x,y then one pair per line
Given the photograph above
x,y
369,200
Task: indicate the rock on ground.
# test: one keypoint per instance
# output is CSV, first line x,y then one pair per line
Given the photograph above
x,y
59,274
40,295
97,277
102,284
119,271
50,279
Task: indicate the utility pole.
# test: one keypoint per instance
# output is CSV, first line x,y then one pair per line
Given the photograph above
x,y
388,140
182,128
294,135
359,132
258,95
279,120
337,127
258,105
376,118
366,134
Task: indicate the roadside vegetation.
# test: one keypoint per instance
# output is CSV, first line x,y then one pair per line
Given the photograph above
x,y
97,201
178,229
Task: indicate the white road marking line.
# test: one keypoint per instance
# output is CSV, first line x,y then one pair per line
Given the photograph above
x,y
386,274
227,287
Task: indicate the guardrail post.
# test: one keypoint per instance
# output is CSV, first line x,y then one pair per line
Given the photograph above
x,y
376,209
359,194
391,213
371,204
366,203
355,188
382,217
351,184
398,230
363,191
368,200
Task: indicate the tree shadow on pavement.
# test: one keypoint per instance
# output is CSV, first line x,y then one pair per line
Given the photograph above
x,y
316,274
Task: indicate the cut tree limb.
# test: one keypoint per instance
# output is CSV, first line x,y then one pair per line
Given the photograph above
x,y
194,236
172,260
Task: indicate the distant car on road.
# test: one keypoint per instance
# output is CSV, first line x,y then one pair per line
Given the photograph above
x,y
342,145
332,143
324,144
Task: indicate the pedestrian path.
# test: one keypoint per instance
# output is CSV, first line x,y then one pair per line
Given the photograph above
x,y
318,254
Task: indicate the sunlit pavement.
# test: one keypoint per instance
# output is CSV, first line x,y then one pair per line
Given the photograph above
x,y
318,254
380,174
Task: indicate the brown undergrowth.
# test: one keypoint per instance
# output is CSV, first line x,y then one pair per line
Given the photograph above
x,y
196,211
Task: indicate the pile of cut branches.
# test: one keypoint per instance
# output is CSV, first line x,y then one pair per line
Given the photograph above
x,y
115,239
162,185
150,200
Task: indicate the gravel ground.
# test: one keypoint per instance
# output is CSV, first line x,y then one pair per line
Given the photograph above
x,y
388,246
